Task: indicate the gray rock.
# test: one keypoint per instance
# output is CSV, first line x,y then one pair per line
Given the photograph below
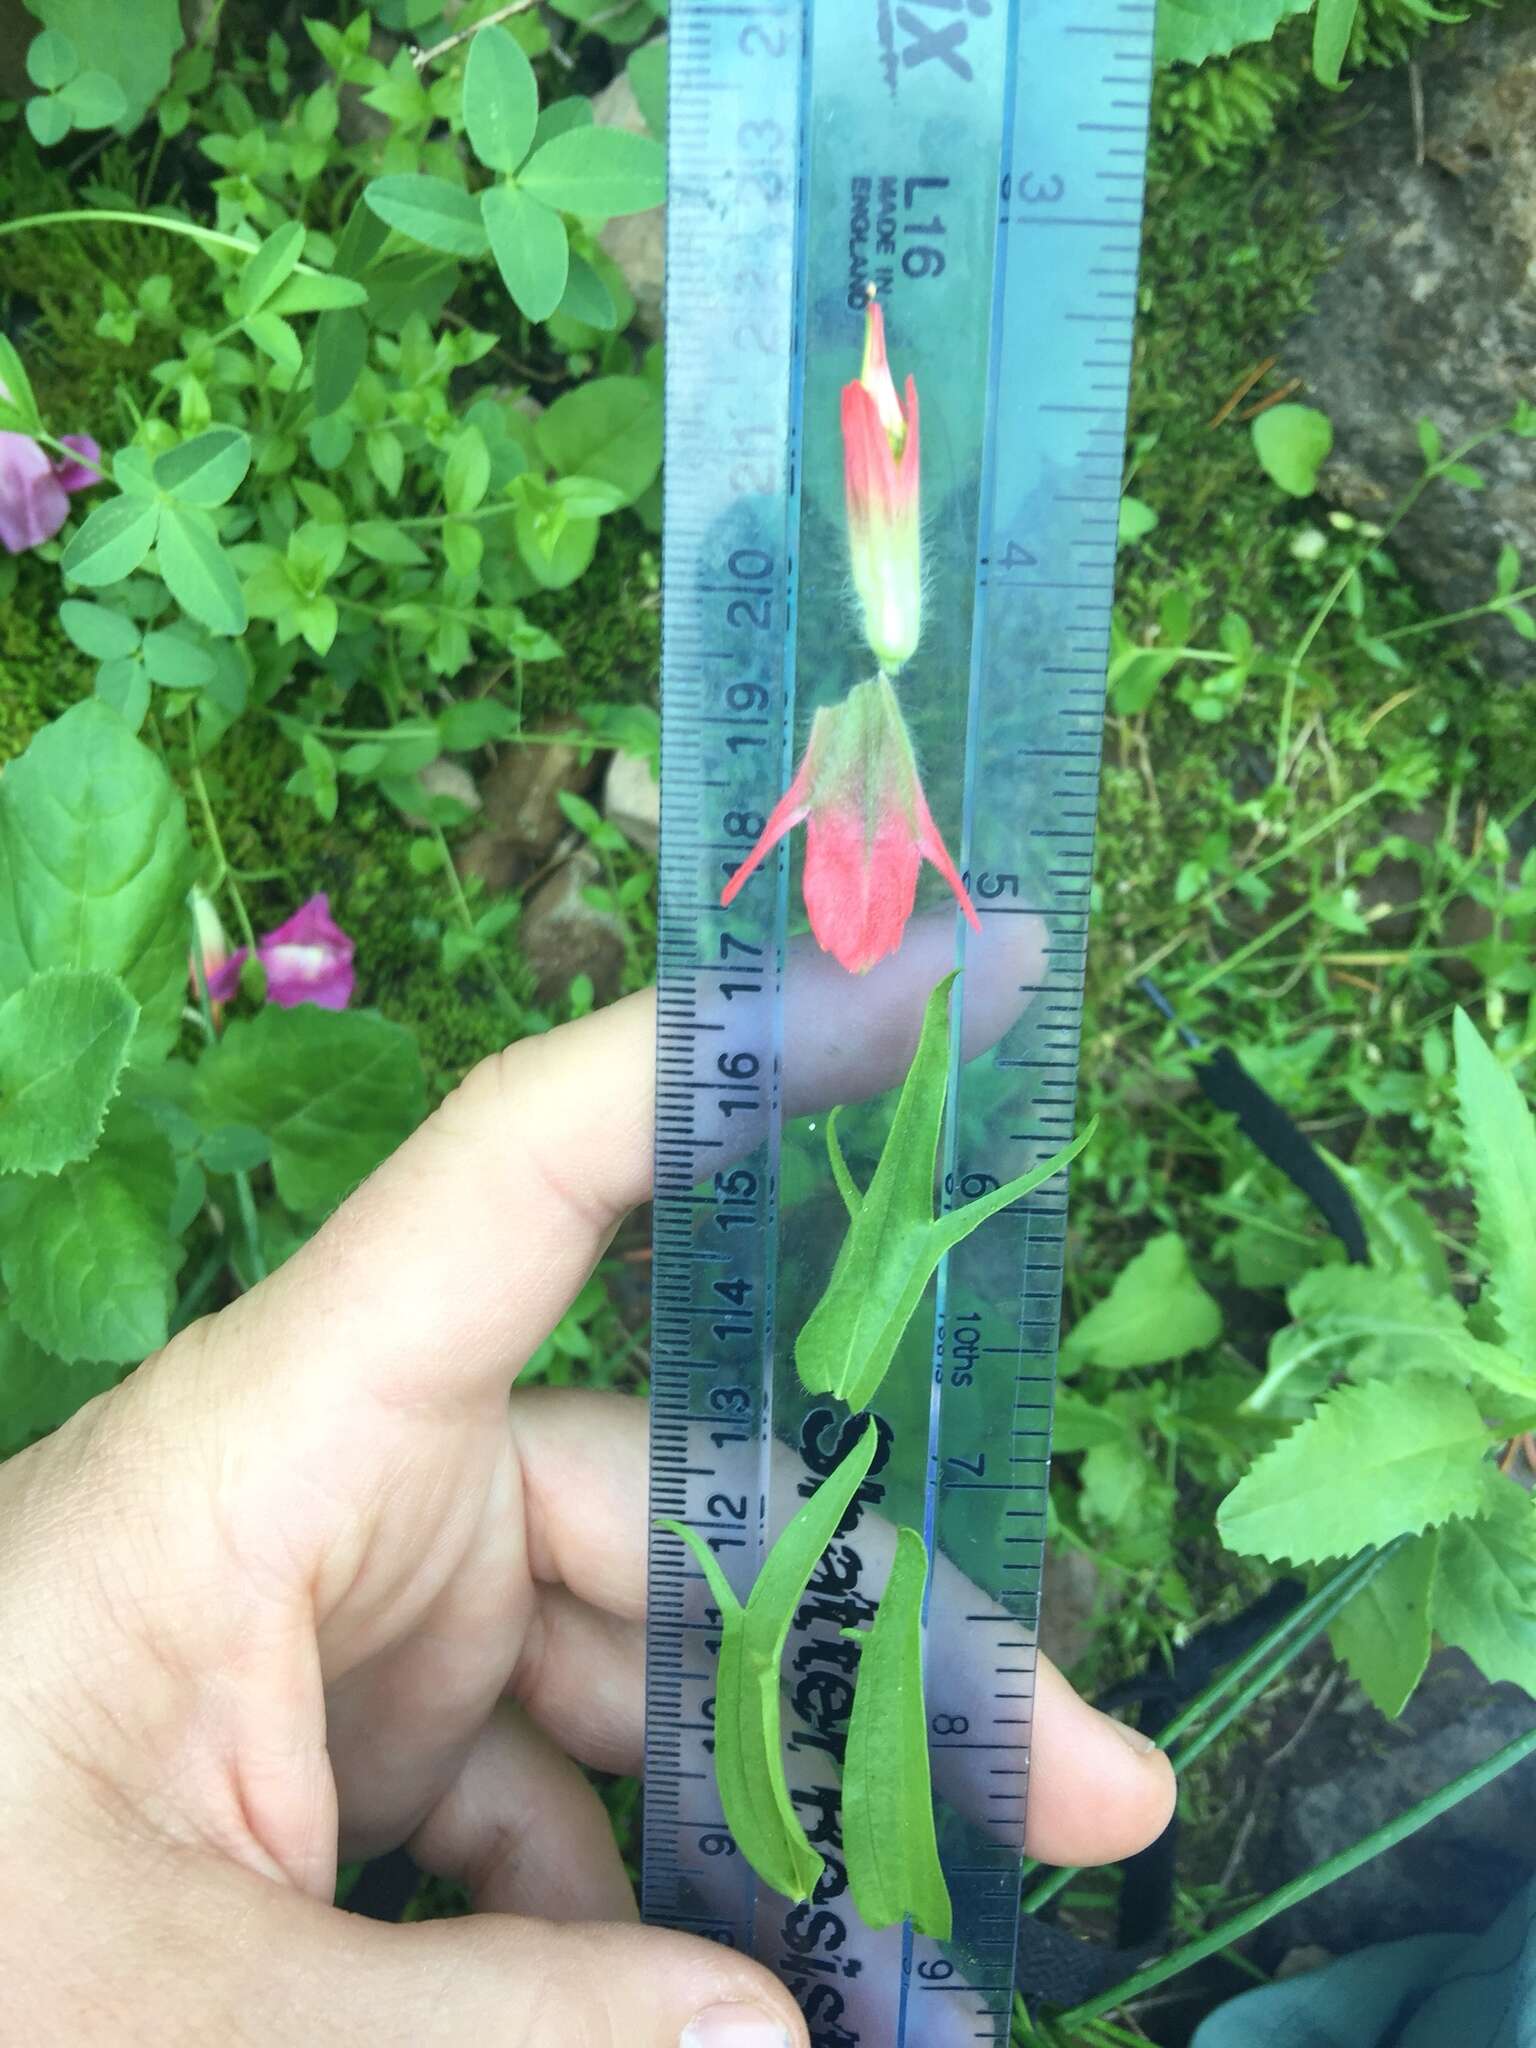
x,y
637,242
1430,308
632,800
561,935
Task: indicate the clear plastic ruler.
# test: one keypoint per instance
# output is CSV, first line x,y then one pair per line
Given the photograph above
x,y
981,163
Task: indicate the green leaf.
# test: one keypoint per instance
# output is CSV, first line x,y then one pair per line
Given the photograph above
x,y
97,630
39,1391
382,541
894,1243
113,541
501,100
234,1148
95,866
341,350
276,339
1507,570
889,1840
648,76
310,292
52,60
134,45
1156,1311
87,1254
48,120
176,662
1331,31
1431,446
749,1751
1292,443
429,210
463,727
94,100
531,248
1189,31
207,470
609,428
335,1091
1137,520
597,172
1485,1591
466,473
64,1040
1383,1634
274,262
1501,1159
587,298
1378,1460
197,572
21,401
1400,1233
124,686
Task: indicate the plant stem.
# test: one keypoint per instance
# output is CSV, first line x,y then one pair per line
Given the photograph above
x,y
422,58
467,918
212,238
225,878
1476,611
1311,1881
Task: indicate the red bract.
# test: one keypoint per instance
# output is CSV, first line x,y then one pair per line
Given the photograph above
x,y
869,829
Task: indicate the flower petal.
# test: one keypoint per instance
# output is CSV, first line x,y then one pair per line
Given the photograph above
x,y
79,476
858,894
33,504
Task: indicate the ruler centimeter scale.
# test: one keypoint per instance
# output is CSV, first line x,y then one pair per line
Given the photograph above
x,y
981,162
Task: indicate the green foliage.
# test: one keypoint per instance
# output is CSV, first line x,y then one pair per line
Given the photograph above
x,y
1292,443
130,51
1189,31
889,1841
1156,1311
64,1039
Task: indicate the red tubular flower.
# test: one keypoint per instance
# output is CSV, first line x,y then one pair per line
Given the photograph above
x,y
869,829
880,481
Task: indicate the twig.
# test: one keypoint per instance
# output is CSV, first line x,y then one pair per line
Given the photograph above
x,y
1320,1699
1279,397
1254,376
1416,103
422,58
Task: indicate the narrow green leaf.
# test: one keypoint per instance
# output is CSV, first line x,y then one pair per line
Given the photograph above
x,y
531,248
894,1243
64,1038
888,1831
113,542
1331,31
313,293
749,1750
1501,1158
197,571
382,541
853,1201
208,469
501,100
597,172
648,76
466,473
1156,1311
274,262
429,210
341,350
1383,1634
1386,1458
21,400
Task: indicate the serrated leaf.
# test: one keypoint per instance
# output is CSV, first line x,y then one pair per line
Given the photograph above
x,y
531,248
207,470
1501,1159
749,1750
1190,31
39,1391
501,100
64,1039
1386,1458
197,572
1155,1311
87,1254
597,172
273,263
335,1091
97,630
889,1840
1383,1634
894,1242
1485,1590
113,541
95,865
429,210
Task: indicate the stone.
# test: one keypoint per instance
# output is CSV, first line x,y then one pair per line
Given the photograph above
x,y
560,934
632,800
1430,308
637,242
444,777
521,819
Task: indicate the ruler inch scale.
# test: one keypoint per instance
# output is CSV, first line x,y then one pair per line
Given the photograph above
x,y
981,163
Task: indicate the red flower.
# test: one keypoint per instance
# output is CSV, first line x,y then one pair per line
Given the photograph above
x,y
880,482
869,829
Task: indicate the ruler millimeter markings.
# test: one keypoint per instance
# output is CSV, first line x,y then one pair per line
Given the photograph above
x,y
980,162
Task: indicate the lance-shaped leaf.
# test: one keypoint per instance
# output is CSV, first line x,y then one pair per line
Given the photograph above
x,y
749,1751
888,1832
894,1240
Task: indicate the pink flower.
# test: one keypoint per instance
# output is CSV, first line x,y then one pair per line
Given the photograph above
x,y
35,487
869,829
308,959
880,481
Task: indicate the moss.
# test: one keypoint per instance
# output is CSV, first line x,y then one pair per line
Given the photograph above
x,y
41,673
608,624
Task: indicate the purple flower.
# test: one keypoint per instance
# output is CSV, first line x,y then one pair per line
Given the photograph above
x,y
308,959
35,487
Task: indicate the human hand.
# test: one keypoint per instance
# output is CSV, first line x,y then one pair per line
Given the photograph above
x,y
308,1583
